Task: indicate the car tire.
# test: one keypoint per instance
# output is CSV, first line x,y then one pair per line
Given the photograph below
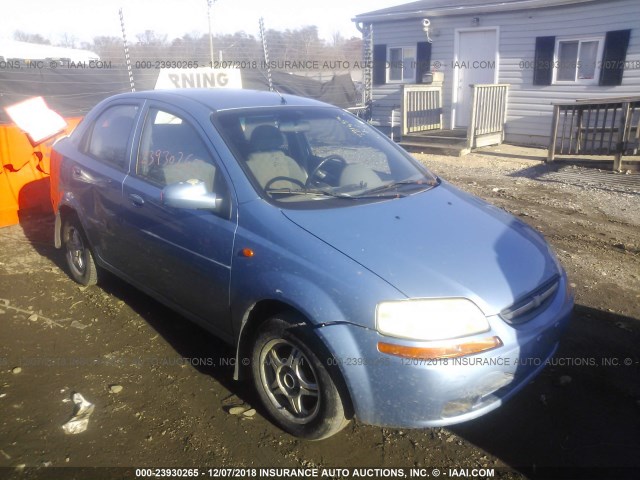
x,y
293,384
80,262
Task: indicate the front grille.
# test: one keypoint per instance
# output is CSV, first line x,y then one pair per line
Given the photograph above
x,y
532,303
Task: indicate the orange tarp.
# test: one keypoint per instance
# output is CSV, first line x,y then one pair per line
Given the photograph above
x,y
24,176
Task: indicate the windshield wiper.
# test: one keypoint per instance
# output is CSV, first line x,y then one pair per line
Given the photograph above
x,y
389,186
314,192
309,191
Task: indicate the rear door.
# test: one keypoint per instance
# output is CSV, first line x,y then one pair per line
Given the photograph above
x,y
183,255
96,176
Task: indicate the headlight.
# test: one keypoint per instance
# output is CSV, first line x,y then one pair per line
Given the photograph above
x,y
430,319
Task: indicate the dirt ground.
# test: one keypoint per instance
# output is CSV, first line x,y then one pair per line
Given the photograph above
x,y
162,387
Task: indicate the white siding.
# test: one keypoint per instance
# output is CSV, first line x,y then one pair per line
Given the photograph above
x,y
529,108
388,96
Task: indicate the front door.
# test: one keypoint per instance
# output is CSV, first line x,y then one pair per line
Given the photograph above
x,y
183,255
475,63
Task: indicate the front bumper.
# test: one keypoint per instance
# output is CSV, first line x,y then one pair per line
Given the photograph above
x,y
392,391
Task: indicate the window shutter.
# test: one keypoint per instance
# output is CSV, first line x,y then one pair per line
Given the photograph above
x,y
379,64
543,62
423,54
613,57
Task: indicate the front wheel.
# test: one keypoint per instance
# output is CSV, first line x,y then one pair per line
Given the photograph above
x,y
79,257
293,384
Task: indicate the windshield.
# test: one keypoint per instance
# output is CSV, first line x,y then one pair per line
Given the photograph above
x,y
305,154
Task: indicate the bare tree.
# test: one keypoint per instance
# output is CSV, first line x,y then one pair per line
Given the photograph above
x,y
109,48
68,40
30,37
299,44
337,40
149,37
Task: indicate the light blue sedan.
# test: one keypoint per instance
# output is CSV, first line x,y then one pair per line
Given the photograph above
x,y
351,281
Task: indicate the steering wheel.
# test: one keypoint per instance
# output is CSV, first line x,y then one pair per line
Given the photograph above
x,y
330,158
295,181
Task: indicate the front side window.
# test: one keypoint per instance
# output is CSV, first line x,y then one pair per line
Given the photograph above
x,y
577,60
172,151
402,64
309,157
109,138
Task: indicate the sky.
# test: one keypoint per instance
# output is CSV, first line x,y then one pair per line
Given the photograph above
x,y
85,19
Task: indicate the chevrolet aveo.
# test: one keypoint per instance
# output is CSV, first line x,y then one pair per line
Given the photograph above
x,y
351,281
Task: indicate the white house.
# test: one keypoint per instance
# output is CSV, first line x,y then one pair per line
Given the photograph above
x,y
546,50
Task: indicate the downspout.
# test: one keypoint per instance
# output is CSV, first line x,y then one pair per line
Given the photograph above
x,y
366,29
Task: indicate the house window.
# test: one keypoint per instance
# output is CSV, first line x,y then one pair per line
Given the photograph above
x,y
402,64
606,70
577,60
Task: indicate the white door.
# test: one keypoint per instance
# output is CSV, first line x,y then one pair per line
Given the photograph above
x,y
476,62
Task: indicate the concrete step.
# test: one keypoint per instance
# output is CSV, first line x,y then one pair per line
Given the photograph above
x,y
431,139
457,133
440,142
456,149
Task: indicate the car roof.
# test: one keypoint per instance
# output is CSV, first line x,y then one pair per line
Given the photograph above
x,y
219,99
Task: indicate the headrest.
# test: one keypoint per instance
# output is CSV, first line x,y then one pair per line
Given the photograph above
x,y
266,138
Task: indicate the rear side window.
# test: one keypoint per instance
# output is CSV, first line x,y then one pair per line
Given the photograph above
x,y
110,135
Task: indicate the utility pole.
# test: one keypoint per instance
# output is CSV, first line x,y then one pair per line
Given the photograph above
x,y
265,50
126,52
209,5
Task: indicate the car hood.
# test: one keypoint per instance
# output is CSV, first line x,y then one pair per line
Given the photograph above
x,y
438,243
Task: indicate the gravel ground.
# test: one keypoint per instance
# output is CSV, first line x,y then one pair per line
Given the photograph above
x,y
163,389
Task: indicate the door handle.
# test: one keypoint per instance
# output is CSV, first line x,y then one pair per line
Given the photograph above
x,y
137,200
81,176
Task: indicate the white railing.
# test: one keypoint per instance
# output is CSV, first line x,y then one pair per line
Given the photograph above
x,y
488,114
421,108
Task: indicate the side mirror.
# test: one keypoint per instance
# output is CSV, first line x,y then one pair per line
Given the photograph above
x,y
190,194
